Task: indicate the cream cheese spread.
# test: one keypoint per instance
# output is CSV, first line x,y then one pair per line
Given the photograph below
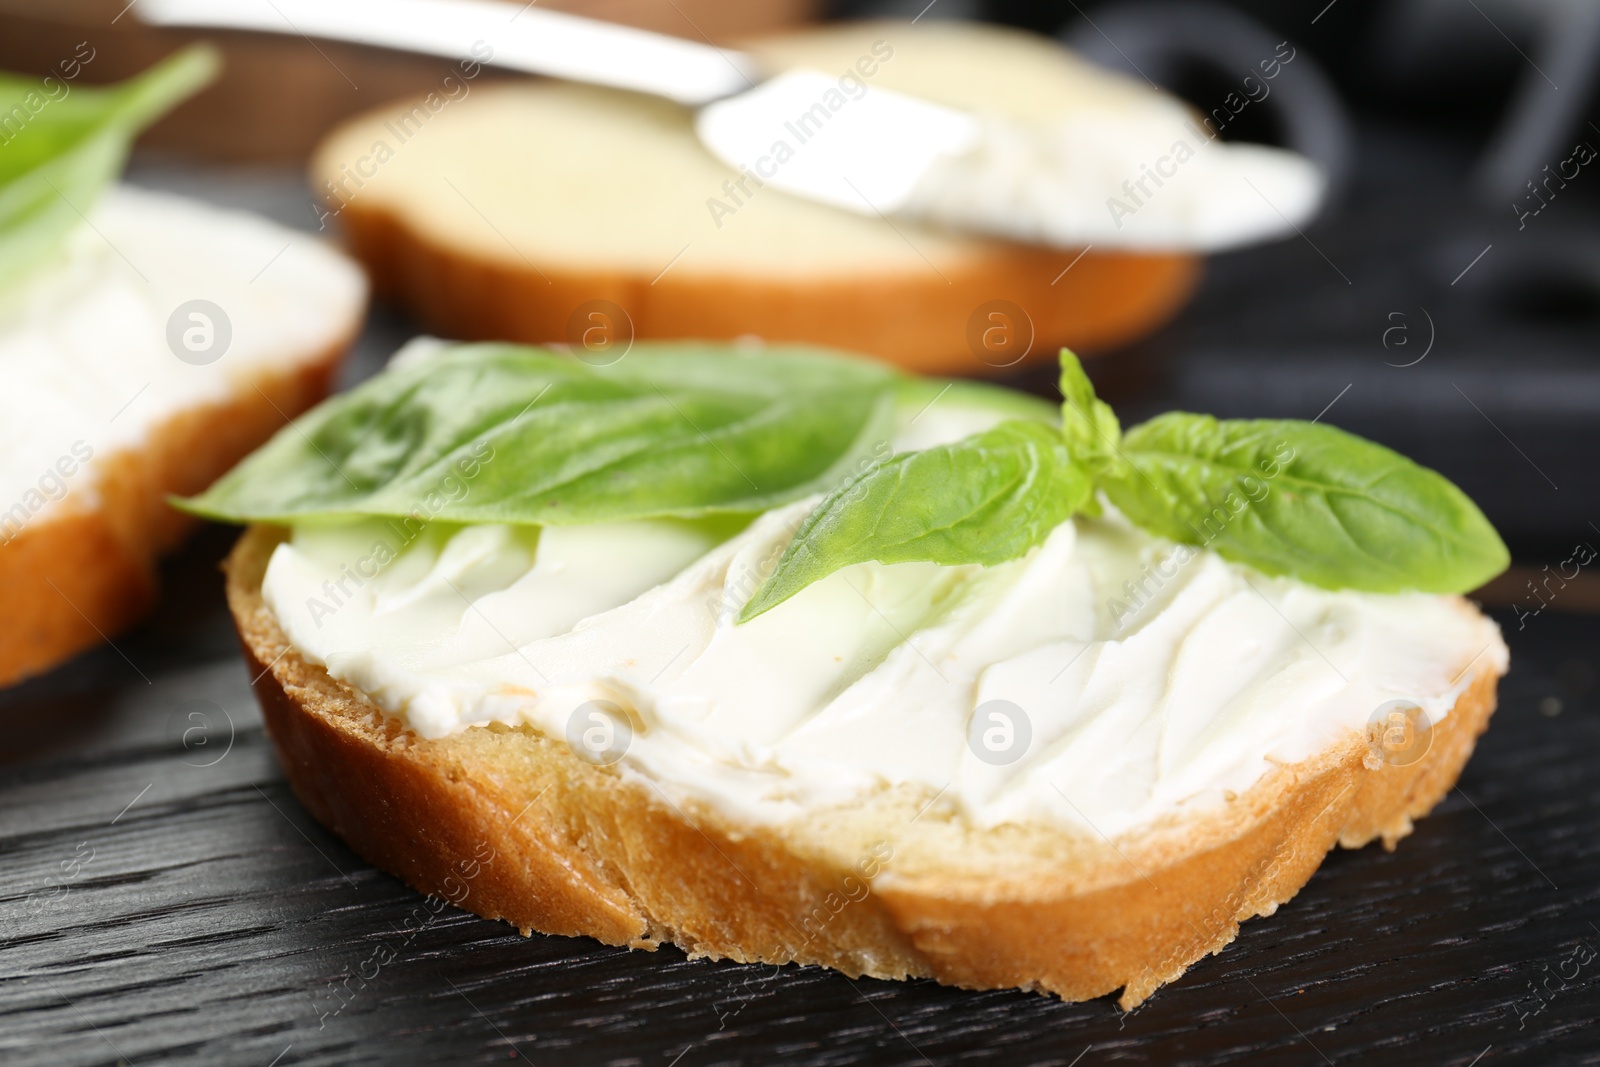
x,y
1150,180
101,346
1133,172
1134,677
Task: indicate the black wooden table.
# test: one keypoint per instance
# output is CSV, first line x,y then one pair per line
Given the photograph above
x,y
164,899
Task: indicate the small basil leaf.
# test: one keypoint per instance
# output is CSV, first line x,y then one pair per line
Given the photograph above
x,y
504,433
985,499
70,147
1089,425
1306,500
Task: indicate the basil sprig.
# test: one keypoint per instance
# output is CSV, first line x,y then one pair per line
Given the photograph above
x,y
69,147
507,433
1280,495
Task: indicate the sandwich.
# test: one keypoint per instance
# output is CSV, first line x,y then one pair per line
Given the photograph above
x,y
784,655
549,212
147,343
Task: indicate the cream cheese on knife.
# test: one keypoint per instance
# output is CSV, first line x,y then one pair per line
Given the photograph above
x,y
1118,170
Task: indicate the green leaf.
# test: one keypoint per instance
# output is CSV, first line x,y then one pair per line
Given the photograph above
x,y
505,433
1089,425
57,152
1306,500
985,499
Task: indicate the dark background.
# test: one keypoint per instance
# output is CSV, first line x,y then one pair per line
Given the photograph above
x,y
163,897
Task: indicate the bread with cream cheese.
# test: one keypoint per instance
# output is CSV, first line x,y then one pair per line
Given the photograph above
x,y
550,212
81,533
511,824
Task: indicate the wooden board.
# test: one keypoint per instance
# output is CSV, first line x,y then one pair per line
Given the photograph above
x,y
164,899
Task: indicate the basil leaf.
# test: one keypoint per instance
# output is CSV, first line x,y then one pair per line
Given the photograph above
x,y
1306,500
1089,425
985,499
69,148
505,433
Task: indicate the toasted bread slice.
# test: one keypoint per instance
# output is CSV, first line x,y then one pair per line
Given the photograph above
x,y
511,824
506,211
103,419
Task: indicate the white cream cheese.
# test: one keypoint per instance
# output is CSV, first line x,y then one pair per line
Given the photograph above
x,y
1150,180
1133,172
1147,684
84,348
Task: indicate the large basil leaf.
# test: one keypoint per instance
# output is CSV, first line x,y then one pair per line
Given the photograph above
x,y
69,147
1304,499
504,433
985,499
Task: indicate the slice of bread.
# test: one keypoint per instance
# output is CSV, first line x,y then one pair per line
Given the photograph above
x,y
511,824
102,418
506,211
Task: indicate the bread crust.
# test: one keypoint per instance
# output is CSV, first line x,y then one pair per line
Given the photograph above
x,y
86,569
918,320
512,825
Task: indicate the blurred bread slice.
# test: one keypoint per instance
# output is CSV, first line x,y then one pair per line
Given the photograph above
x,y
116,396
501,211
512,824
